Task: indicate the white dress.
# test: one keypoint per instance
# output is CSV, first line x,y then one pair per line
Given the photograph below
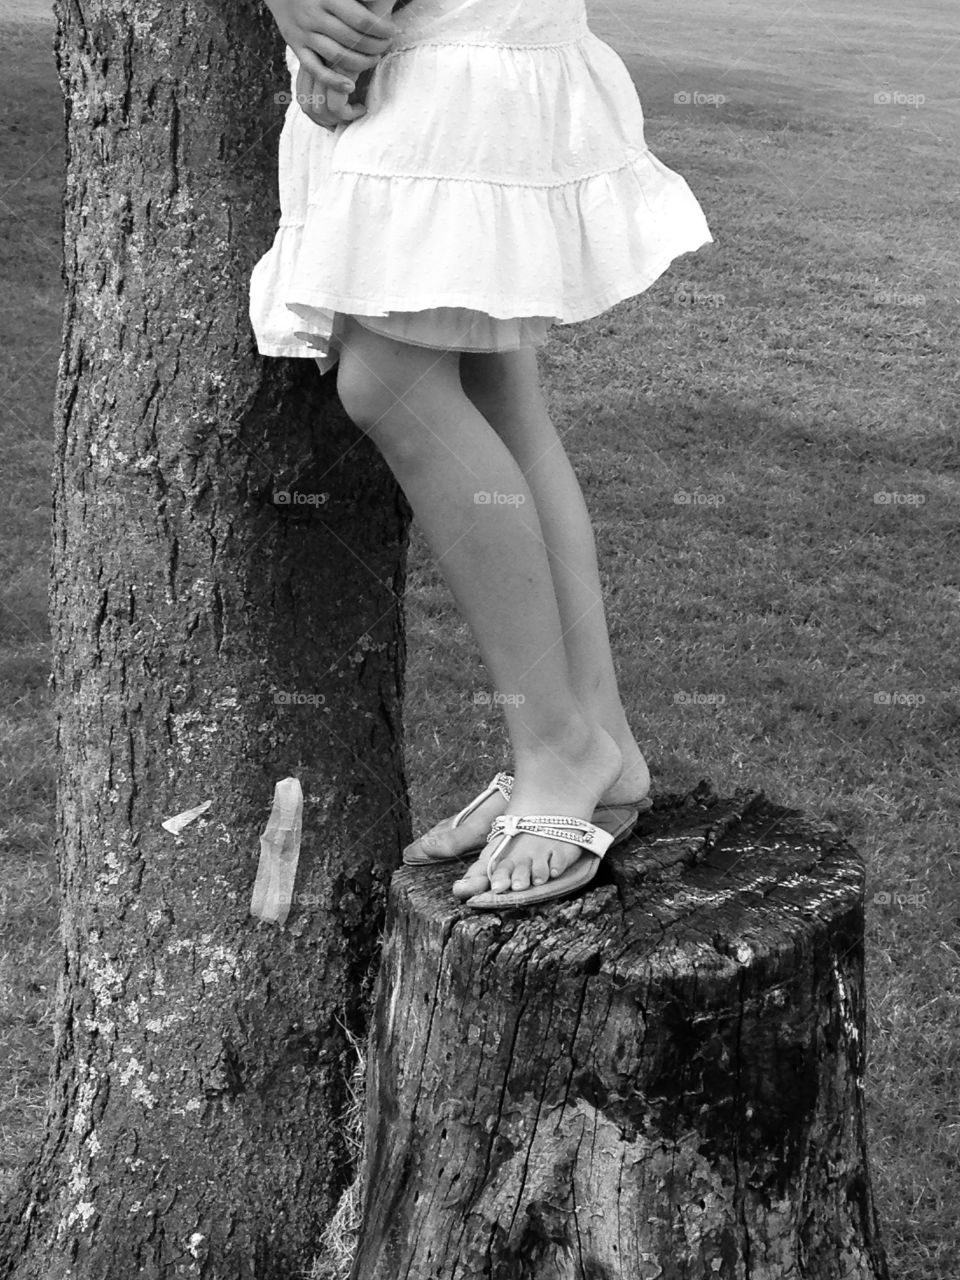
x,y
499,183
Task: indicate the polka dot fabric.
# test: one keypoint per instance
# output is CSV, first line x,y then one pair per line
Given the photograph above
x,y
498,184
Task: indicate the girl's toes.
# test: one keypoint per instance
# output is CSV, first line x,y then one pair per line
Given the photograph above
x,y
437,840
511,874
540,868
474,880
500,880
430,840
559,860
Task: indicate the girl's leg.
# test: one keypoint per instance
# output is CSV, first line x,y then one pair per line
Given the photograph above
x,y
505,387
445,455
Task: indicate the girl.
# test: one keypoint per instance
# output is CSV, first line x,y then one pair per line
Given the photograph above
x,y
496,183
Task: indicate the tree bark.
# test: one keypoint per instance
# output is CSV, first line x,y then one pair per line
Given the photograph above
x,y
210,638
660,1079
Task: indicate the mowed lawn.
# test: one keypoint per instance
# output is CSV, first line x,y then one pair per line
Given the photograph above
x,y
767,441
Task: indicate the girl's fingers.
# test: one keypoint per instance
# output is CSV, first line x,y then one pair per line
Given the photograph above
x,y
333,59
352,63
359,16
315,78
314,107
353,111
334,29
339,110
337,40
323,103
334,106
347,60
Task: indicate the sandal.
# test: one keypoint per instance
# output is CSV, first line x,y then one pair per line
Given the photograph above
x,y
617,819
593,839
503,782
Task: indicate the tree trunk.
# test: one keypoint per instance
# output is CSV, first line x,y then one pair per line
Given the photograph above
x,y
210,638
660,1079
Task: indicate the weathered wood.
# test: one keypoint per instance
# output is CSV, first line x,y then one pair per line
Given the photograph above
x,y
209,639
661,1078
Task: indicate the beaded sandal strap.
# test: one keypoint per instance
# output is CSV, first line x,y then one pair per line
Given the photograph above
x,y
503,783
553,827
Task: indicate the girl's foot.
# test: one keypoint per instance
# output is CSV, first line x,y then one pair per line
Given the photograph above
x,y
566,781
633,783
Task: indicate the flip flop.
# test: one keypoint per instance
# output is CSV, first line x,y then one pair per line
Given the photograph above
x,y
414,855
616,818
590,837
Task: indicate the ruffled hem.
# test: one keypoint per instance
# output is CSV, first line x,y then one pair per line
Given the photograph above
x,y
567,253
440,328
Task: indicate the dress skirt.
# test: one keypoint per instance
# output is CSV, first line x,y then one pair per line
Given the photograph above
x,y
498,184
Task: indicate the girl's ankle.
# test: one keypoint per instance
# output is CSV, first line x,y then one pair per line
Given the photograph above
x,y
607,713
580,743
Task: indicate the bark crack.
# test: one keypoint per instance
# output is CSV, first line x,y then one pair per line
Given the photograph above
x,y
576,1224
446,933
573,1041
216,617
739,1189
101,613
131,757
503,1090
174,144
623,1160
536,1118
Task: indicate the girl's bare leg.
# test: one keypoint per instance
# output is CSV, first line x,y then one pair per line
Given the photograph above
x,y
444,453
505,386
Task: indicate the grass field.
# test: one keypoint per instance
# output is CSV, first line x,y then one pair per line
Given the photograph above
x,y
784,377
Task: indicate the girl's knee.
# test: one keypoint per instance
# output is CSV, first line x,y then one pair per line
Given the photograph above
x,y
390,390
363,395
375,373
376,410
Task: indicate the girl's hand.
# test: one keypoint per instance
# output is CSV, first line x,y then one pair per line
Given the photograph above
x,y
325,107
331,36
328,100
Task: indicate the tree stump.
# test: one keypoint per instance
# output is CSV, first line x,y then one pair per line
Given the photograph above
x,y
659,1079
